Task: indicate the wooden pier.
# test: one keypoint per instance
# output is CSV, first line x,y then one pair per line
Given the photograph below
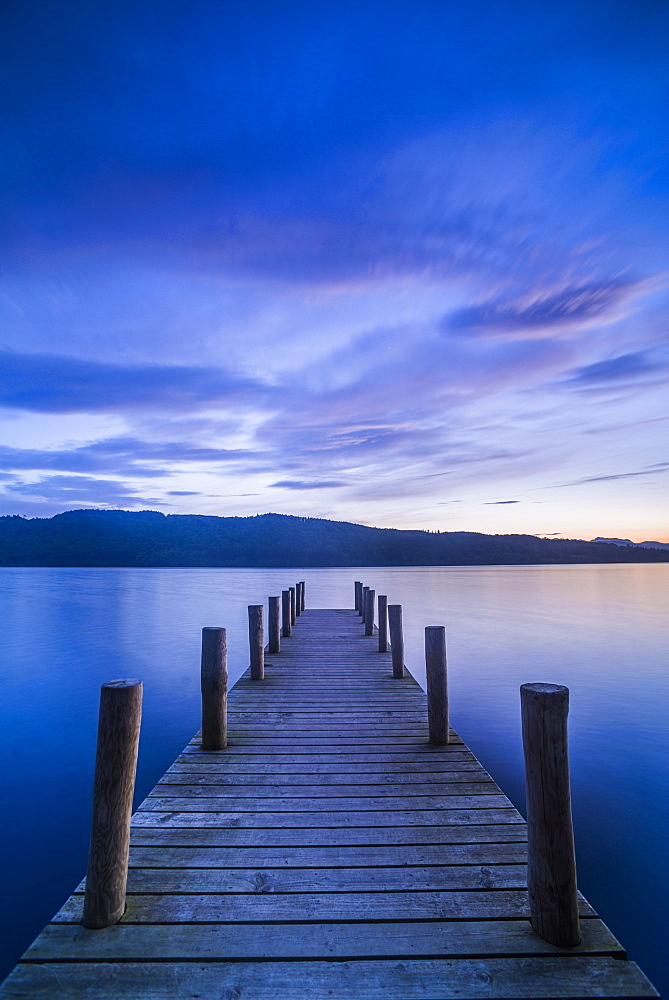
x,y
330,851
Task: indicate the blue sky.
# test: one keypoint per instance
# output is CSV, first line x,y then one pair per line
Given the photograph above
x,y
402,263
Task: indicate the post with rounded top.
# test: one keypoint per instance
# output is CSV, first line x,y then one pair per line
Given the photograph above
x,y
113,788
274,625
356,589
551,860
256,641
382,602
437,684
302,595
285,613
396,638
214,688
292,605
298,599
369,612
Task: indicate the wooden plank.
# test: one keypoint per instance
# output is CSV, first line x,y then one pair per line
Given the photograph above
x,y
476,938
408,979
198,855
294,803
363,836
382,818
166,908
323,880
227,790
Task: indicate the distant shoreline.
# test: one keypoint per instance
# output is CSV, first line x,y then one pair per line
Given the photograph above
x,y
117,538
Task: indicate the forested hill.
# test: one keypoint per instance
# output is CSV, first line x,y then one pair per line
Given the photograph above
x,y
148,538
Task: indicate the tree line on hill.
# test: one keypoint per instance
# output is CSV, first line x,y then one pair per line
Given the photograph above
x,y
149,538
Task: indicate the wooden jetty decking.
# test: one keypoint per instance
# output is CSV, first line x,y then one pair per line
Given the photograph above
x,y
329,852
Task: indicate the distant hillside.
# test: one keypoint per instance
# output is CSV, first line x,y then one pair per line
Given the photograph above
x,y
148,538
627,541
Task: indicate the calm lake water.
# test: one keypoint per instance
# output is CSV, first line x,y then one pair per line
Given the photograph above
x,y
601,630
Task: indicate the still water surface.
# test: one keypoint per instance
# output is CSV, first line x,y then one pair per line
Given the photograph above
x,y
601,630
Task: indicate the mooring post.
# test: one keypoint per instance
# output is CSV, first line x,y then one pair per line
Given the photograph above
x,y
551,860
437,683
256,641
274,625
302,594
285,613
356,600
396,638
298,599
292,605
113,788
382,602
363,609
369,612
214,688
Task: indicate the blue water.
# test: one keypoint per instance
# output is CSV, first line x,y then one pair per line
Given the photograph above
x,y
601,630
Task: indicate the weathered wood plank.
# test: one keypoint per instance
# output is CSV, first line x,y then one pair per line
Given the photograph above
x,y
364,836
165,908
200,855
395,793
382,818
409,979
476,938
160,801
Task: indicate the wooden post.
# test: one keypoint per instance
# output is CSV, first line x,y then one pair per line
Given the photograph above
x,y
356,602
363,608
285,613
396,638
214,687
437,683
113,787
292,605
369,612
303,594
256,641
382,601
551,861
298,600
274,627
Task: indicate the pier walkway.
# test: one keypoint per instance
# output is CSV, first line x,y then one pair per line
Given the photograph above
x,y
329,852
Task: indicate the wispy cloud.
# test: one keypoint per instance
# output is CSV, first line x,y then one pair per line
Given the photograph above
x,y
297,484
50,383
535,314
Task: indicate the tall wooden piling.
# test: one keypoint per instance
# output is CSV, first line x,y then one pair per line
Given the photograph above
x,y
285,613
303,600
382,602
113,789
551,860
437,684
292,605
357,589
369,612
274,625
298,600
396,638
363,608
256,642
214,688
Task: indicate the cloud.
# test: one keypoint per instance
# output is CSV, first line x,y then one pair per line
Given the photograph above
x,y
494,503
622,369
656,469
81,489
183,493
50,383
571,308
124,456
296,484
